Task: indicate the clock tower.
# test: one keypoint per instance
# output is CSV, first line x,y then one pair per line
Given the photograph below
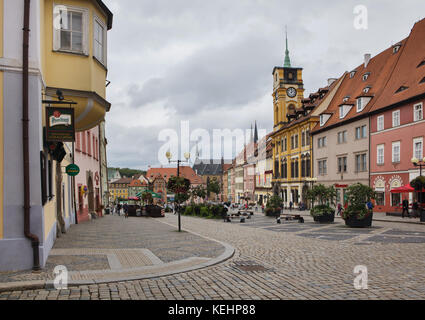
x,y
288,91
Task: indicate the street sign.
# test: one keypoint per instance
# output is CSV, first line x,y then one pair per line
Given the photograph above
x,y
72,170
60,124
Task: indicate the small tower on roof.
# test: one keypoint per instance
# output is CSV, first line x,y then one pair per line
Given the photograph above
x,y
287,62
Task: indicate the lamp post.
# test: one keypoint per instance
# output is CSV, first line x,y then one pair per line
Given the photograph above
x,y
187,157
418,163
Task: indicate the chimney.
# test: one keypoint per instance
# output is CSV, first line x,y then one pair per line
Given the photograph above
x,y
331,80
366,59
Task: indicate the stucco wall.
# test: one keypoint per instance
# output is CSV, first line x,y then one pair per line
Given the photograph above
x,y
349,149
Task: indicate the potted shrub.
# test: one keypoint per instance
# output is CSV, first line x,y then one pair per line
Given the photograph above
x,y
359,212
274,206
324,211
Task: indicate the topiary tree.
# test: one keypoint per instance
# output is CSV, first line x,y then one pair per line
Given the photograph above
x,y
274,205
357,196
326,199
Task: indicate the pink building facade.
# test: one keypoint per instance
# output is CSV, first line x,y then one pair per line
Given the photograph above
x,y
87,182
397,135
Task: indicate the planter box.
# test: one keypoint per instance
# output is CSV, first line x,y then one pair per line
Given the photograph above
x,y
422,216
326,218
353,222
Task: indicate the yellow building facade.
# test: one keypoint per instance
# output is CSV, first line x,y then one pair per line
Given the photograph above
x,y
294,118
67,62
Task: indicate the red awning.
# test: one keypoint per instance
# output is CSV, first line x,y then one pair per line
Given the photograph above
x,y
403,189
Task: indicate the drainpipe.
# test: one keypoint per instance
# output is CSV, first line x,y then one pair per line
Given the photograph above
x,y
25,138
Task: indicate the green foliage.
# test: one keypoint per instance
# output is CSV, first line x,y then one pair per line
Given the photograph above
x,y
213,186
178,184
127,172
357,196
147,197
324,195
181,197
275,202
322,209
205,211
198,192
418,183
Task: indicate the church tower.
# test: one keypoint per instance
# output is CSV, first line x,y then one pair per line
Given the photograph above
x,y
288,90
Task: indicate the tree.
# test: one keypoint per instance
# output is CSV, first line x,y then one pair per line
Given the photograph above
x,y
213,186
198,192
147,197
357,196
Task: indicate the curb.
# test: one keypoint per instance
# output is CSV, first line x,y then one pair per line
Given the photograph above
x,y
229,251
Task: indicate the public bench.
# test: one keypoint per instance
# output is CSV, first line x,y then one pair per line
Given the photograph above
x,y
292,216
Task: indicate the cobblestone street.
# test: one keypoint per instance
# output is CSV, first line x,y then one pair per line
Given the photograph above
x,y
286,261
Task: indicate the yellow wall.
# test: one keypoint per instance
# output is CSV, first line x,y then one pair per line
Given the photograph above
x,y
1,124
82,72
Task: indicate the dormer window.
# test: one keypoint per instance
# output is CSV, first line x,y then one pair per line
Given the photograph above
x,y
421,64
365,76
396,48
366,90
402,88
345,99
352,74
423,80
323,119
343,110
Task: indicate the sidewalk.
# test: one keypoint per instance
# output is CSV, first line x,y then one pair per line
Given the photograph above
x,y
113,248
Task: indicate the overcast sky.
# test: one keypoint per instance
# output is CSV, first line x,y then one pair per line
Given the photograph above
x,y
210,62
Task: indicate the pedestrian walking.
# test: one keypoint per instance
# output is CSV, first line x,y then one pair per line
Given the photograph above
x,y
119,209
339,210
290,205
405,205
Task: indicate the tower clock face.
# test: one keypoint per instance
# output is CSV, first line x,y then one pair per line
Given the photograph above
x,y
291,92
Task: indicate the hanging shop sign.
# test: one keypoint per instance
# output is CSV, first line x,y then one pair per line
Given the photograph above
x,y
60,124
72,170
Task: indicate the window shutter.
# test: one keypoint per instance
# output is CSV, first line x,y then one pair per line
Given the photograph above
x,y
85,33
56,28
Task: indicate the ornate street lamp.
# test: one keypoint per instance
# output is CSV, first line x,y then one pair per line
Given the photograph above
x,y
187,157
418,163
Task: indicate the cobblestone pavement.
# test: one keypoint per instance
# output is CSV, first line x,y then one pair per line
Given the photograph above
x,y
279,262
115,247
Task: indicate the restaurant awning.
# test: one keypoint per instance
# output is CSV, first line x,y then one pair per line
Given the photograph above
x,y
403,189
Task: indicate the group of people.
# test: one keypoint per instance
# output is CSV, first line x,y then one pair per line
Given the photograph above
x,y
118,209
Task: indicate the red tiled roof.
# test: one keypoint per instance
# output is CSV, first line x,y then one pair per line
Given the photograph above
x,y
406,72
122,181
166,173
379,68
137,183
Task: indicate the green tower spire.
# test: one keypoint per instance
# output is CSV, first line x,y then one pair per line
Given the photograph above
x,y
287,63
